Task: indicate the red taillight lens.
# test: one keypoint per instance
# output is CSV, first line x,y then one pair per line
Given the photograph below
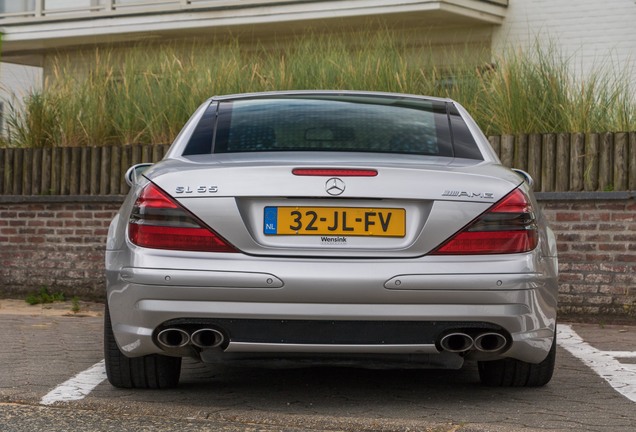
x,y
507,227
158,222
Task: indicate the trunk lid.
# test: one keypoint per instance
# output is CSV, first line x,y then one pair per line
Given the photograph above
x,y
257,204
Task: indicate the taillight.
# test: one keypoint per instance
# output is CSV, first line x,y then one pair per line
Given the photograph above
x,y
507,227
159,222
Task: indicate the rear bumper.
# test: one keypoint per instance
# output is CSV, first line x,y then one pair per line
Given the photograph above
x,y
521,303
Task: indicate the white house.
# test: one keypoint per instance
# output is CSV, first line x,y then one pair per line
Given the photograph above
x,y
590,33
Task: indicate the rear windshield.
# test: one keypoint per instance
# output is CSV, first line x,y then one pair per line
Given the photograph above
x,y
334,124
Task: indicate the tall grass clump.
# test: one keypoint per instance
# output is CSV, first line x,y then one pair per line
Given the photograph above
x,y
535,91
145,93
526,92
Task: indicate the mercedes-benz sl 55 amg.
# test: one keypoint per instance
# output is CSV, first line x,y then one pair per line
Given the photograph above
x,y
330,227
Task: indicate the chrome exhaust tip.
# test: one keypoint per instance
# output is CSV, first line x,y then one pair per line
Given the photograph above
x,y
456,342
490,342
173,338
207,338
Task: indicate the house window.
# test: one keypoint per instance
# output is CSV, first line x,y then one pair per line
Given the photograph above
x,y
16,6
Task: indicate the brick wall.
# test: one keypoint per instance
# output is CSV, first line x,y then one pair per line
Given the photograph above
x,y
597,253
54,242
58,242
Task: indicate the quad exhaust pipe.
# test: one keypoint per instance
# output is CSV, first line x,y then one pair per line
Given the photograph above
x,y
490,342
207,338
174,338
459,342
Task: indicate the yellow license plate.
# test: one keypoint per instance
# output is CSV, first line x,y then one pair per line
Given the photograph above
x,y
341,221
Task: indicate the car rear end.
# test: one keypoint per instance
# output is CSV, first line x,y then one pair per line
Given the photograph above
x,y
330,226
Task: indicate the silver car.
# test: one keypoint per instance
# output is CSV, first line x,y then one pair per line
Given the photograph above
x,y
330,227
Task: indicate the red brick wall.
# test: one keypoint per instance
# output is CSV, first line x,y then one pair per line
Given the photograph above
x,y
597,254
58,242
58,245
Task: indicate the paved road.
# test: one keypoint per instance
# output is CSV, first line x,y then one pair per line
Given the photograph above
x,y
39,353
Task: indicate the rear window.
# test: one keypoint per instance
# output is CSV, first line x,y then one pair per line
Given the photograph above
x,y
326,123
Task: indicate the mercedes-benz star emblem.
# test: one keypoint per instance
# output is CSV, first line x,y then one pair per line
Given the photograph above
x,y
335,186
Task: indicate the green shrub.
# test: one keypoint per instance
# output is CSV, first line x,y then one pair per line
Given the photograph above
x,y
43,296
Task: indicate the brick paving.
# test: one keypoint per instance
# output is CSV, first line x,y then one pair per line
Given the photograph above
x,y
37,353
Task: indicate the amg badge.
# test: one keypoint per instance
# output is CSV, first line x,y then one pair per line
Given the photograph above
x,y
464,194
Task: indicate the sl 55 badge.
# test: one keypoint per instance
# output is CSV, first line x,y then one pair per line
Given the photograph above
x,y
197,189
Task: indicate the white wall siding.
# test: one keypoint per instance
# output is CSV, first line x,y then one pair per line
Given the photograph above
x,y
16,82
591,33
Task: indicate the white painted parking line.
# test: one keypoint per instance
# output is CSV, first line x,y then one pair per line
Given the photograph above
x,y
622,377
77,387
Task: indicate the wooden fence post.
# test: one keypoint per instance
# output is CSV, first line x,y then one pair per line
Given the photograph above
x,y
548,163
36,171
621,140
7,171
56,171
606,151
590,182
534,159
156,154
27,181
115,168
562,161
18,158
76,171
94,172
104,170
508,150
577,167
46,171
136,155
521,152
146,153
65,171
85,165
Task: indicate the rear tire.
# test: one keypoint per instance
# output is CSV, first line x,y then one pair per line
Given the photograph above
x,y
149,372
516,373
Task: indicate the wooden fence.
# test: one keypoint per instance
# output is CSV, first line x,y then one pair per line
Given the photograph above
x,y
72,170
557,162
572,162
